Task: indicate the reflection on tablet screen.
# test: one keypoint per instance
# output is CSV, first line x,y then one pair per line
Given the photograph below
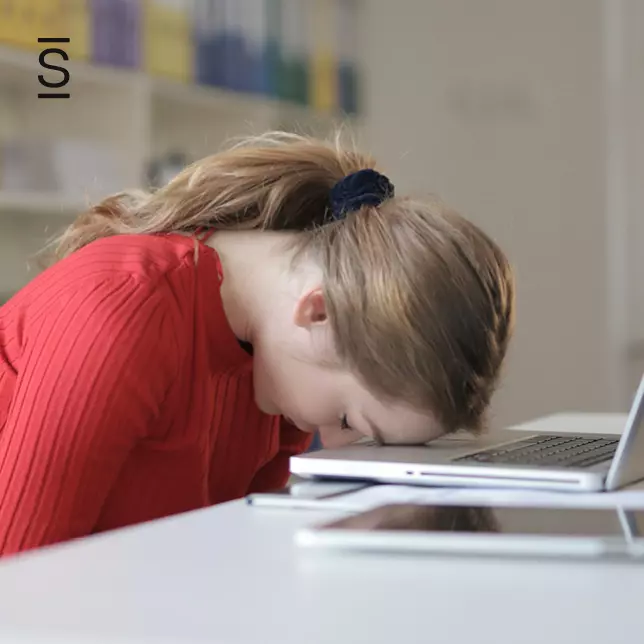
x,y
507,520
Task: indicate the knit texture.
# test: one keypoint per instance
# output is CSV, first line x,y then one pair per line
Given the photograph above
x,y
125,396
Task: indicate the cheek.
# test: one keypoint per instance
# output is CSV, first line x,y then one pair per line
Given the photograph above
x,y
298,390
315,401
333,436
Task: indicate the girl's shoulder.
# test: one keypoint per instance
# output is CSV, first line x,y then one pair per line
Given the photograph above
x,y
139,256
113,287
136,266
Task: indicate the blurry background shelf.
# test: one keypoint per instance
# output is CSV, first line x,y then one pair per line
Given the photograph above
x,y
19,70
30,203
154,85
190,95
158,83
20,67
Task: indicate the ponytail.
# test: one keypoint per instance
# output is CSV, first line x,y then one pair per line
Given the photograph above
x,y
277,181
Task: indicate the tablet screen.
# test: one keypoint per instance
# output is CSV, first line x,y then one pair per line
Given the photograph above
x,y
504,520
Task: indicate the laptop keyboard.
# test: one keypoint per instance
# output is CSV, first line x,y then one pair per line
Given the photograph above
x,y
557,451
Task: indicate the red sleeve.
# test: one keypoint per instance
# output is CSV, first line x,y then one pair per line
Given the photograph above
x,y
275,474
94,370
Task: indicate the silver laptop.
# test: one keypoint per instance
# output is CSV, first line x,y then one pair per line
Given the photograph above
x,y
511,458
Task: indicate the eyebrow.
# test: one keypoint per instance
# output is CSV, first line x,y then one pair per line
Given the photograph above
x,y
377,434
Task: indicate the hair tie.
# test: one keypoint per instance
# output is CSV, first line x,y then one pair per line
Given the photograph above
x,y
362,188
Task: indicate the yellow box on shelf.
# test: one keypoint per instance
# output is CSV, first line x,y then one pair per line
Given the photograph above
x,y
168,45
8,12
76,15
19,22
49,23
323,85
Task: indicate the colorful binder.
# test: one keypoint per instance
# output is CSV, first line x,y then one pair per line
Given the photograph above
x,y
76,16
26,22
167,35
209,27
116,32
273,52
324,69
294,76
254,46
348,65
128,32
303,51
234,51
7,22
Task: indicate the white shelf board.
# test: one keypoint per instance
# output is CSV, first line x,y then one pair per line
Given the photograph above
x,y
21,66
40,204
187,95
239,105
201,115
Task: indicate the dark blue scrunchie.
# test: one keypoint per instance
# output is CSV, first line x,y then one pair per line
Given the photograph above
x,y
362,188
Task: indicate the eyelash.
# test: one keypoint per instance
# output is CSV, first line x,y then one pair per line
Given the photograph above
x,y
344,423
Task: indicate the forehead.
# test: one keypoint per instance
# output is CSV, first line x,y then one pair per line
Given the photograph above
x,y
398,422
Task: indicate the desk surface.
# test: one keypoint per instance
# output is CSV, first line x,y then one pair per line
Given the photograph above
x,y
232,575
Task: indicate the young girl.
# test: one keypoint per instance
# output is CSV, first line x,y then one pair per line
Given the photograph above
x,y
188,342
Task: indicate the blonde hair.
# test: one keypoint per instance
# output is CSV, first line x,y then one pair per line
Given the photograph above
x,y
420,300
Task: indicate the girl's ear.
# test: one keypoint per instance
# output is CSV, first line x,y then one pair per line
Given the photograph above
x,y
310,309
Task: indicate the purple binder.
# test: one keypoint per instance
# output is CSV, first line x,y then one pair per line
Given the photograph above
x,y
116,32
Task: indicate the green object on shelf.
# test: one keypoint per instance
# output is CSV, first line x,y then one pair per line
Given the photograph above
x,y
300,70
274,68
274,47
295,41
294,81
285,80
349,89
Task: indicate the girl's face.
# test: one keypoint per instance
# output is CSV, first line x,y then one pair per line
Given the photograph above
x,y
335,403
297,374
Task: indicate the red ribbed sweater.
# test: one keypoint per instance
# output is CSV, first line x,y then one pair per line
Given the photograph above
x,y
125,396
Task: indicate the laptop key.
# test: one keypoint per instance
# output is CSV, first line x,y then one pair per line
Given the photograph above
x,y
546,451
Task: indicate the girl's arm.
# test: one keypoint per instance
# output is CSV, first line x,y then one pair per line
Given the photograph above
x,y
91,378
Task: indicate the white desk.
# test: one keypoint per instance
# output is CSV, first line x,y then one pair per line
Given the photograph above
x,y
231,575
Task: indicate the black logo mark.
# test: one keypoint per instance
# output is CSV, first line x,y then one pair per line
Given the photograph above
x,y
42,59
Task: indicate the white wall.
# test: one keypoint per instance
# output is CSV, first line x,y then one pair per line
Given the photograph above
x,y
630,112
21,240
498,106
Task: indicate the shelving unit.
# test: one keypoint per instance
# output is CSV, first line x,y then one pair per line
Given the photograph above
x,y
139,114
138,117
49,204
